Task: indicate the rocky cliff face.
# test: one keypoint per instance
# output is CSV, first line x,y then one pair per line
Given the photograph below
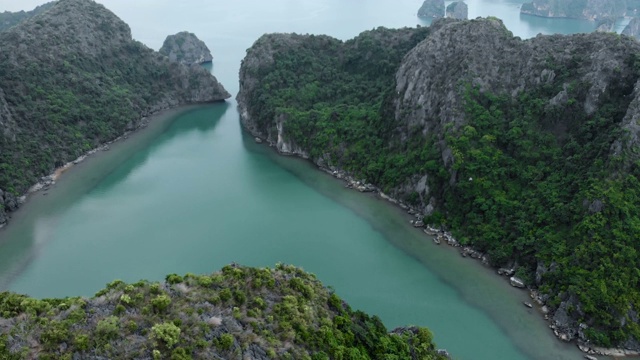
x,y
473,52
10,19
431,9
606,25
448,123
633,28
458,10
72,78
186,48
576,9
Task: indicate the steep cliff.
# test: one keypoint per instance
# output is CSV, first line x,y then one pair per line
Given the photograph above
x,y
72,78
186,48
527,150
457,10
431,9
9,19
577,9
237,313
606,25
633,28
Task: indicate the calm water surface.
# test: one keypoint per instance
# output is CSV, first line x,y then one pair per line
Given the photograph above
x,y
194,193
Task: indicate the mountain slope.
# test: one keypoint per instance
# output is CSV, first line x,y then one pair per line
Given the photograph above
x,y
9,19
527,150
237,313
73,78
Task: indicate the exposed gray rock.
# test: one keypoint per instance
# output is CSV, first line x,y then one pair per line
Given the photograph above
x,y
541,270
431,9
606,25
633,28
564,324
516,282
10,201
576,9
186,48
3,214
596,206
458,10
457,52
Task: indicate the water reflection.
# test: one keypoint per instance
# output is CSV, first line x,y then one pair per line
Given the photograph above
x,y
27,235
199,120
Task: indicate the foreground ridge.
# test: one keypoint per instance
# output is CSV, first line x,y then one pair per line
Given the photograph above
x,y
236,313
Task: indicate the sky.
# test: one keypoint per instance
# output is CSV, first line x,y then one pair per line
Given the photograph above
x,y
13,5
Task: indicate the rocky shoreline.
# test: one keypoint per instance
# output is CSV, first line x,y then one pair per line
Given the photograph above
x,y
47,182
440,235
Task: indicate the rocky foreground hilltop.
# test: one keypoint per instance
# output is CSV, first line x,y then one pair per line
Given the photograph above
x,y
72,78
237,313
526,150
186,48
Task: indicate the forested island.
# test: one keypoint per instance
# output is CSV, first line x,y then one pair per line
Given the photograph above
x,y
71,79
526,150
237,313
582,9
186,48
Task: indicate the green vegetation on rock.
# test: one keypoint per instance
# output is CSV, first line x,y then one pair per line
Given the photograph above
x,y
283,313
530,157
71,79
10,19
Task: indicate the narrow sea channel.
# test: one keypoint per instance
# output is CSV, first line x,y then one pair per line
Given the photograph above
x,y
194,193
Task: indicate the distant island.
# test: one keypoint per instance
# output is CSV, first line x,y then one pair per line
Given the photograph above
x,y
457,10
432,9
525,154
186,48
238,313
71,79
581,9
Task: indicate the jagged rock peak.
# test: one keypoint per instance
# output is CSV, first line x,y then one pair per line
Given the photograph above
x,y
474,51
431,9
458,10
185,47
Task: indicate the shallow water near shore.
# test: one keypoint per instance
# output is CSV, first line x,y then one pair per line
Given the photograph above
x,y
193,193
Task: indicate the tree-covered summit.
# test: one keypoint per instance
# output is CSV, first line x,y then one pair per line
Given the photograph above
x,y
236,313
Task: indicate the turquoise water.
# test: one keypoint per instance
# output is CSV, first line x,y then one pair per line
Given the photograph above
x,y
194,193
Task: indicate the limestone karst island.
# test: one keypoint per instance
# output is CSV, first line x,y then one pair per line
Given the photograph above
x,y
320,180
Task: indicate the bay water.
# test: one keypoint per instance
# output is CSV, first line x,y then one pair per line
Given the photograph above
x,y
193,193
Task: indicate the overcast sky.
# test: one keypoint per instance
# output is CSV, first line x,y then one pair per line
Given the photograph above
x,y
13,5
